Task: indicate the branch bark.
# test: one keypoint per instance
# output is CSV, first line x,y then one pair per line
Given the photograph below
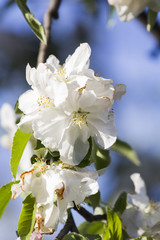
x,y
69,226
52,12
89,216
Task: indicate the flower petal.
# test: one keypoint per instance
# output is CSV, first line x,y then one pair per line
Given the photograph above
x,y
77,62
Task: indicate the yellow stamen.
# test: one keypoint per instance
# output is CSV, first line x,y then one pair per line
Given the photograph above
x,y
80,90
79,118
61,74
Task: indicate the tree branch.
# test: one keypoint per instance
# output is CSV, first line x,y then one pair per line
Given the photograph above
x,y
52,12
89,216
69,226
155,30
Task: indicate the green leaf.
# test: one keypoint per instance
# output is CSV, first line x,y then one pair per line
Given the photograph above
x,y
19,143
151,19
92,237
96,227
124,149
5,196
27,218
93,200
121,203
114,225
100,156
35,25
74,236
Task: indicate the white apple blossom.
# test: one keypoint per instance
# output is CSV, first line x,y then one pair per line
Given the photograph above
x,y
142,216
129,9
8,123
56,189
68,104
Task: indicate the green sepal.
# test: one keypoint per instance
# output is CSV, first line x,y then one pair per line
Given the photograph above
x,y
39,145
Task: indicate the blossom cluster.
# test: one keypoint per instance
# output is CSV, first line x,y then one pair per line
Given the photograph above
x,y
56,189
66,106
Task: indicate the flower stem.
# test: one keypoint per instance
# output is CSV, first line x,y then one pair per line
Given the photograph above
x,y
52,12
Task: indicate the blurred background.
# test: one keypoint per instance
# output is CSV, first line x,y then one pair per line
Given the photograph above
x,y
125,52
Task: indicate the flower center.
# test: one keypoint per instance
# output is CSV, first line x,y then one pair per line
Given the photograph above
x,y
40,167
79,118
60,73
45,102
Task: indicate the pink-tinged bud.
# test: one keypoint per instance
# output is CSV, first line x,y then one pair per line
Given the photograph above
x,y
36,236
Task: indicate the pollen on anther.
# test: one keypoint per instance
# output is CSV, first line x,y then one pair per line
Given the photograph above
x,y
79,119
43,102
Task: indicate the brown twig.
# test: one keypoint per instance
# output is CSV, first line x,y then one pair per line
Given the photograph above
x,y
68,227
89,216
52,12
155,30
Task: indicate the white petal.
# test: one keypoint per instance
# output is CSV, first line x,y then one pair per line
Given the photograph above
x,y
140,199
39,189
74,144
8,118
129,222
28,72
63,206
6,141
73,152
16,190
50,127
28,101
120,90
105,131
77,62
129,9
51,216
25,124
53,63
78,185
139,184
